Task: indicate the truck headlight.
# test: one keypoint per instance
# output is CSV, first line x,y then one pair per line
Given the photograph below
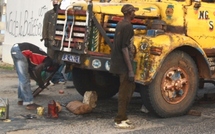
x,y
143,46
107,65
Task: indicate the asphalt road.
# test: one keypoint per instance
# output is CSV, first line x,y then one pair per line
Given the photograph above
x,y
100,120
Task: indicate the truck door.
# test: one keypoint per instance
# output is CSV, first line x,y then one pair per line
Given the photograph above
x,y
200,22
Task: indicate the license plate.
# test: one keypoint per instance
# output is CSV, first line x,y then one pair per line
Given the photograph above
x,y
71,58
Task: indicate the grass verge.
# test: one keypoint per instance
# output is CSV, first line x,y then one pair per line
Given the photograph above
x,y
6,66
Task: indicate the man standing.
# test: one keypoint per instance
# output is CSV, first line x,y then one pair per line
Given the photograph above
x,y
48,35
122,56
29,61
49,26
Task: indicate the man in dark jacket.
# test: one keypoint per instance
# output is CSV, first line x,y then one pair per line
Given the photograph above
x,y
29,61
49,25
48,35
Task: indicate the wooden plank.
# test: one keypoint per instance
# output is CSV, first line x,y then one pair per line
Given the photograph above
x,y
66,44
72,39
110,29
75,28
69,17
76,12
77,23
73,12
135,20
79,29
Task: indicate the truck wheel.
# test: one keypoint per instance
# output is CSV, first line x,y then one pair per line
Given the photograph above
x,y
173,90
105,84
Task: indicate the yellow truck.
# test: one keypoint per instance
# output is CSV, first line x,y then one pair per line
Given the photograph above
x,y
174,49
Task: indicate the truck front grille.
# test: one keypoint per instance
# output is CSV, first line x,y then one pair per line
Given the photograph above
x,y
70,28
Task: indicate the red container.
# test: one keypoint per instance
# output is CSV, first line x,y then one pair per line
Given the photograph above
x,y
52,109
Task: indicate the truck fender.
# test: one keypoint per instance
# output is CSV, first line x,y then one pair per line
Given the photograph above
x,y
168,43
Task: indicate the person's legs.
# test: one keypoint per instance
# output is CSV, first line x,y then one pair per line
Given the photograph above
x,y
63,70
50,51
126,90
21,64
15,58
24,81
58,76
55,78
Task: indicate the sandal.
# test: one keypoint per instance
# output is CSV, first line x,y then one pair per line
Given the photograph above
x,y
32,106
126,124
20,103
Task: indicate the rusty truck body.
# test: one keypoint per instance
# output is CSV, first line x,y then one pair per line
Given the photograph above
x,y
174,49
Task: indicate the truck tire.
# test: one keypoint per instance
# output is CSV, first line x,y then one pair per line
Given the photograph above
x,y
105,84
173,90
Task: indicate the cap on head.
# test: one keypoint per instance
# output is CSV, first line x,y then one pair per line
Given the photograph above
x,y
128,8
56,2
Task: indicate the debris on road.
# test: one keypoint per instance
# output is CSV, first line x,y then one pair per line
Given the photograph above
x,y
7,120
78,107
61,91
90,98
40,111
28,116
59,108
194,113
